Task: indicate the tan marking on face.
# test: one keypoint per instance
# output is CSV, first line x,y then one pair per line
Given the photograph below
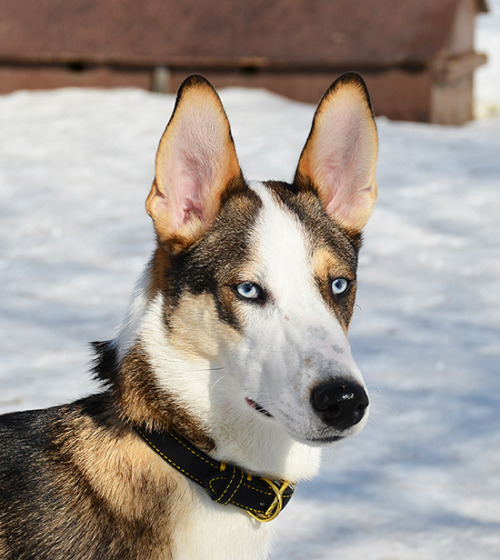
x,y
327,267
197,330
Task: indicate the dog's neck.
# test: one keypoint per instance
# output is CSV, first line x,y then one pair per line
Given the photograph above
x,y
262,498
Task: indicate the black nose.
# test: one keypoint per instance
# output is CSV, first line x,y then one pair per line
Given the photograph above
x,y
340,404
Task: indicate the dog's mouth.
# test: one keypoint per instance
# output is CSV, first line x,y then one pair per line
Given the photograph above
x,y
258,408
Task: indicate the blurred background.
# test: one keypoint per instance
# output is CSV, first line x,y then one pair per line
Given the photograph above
x,y
418,57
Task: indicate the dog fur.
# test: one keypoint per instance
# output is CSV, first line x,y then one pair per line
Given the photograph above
x,y
234,337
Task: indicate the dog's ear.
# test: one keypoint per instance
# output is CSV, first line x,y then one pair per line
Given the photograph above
x,y
195,163
339,157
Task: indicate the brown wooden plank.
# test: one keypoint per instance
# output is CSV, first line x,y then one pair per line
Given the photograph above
x,y
229,33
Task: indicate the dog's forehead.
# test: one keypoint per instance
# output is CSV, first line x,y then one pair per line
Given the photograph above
x,y
279,238
293,228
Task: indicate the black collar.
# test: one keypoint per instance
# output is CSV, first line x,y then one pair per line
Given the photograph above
x,y
226,484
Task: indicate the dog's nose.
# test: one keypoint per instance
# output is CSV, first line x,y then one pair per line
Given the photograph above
x,y
340,404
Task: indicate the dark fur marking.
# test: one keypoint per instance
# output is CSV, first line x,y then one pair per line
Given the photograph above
x,y
105,364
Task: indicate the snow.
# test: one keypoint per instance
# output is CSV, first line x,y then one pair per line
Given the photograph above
x,y
423,479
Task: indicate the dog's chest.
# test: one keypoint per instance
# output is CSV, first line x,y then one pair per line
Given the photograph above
x,y
207,530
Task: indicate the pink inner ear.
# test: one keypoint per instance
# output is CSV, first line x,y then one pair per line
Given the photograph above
x,y
190,176
343,154
189,184
195,162
191,208
185,204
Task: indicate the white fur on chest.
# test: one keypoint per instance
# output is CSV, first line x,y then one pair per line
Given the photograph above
x,y
205,530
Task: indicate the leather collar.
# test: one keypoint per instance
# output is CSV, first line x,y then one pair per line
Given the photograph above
x,y
260,497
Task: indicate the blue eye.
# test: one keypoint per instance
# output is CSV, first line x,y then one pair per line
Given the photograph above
x,y
339,286
248,290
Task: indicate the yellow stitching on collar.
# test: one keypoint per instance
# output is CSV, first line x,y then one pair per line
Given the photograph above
x,y
168,459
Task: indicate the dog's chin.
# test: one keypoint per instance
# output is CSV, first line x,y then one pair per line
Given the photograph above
x,y
316,440
317,434
323,441
323,436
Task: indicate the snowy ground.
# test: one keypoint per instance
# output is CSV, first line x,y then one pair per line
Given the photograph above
x,y
423,480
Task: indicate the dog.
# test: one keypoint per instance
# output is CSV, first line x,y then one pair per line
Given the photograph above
x,y
232,367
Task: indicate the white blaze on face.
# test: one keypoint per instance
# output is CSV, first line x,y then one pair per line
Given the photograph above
x,y
295,340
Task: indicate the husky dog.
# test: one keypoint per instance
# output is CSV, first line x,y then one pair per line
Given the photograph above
x,y
232,367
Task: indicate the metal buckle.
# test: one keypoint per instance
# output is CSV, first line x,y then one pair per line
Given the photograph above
x,y
276,506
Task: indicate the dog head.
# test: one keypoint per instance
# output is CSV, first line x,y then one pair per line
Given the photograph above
x,y
252,286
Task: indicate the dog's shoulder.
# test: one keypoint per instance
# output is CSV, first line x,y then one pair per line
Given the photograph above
x,y
24,439
77,482
32,442
30,431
